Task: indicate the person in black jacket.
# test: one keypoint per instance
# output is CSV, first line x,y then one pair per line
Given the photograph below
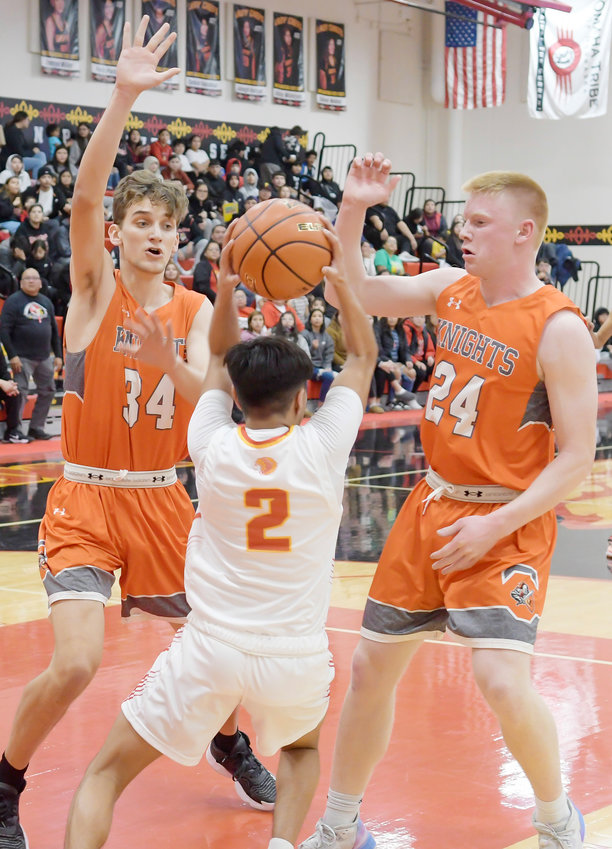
x,y
28,331
16,142
206,271
9,217
10,400
275,155
45,193
394,364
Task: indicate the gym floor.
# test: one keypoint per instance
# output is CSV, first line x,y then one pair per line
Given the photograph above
x,y
447,779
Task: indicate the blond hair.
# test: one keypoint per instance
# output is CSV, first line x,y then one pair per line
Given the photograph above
x,y
530,192
145,184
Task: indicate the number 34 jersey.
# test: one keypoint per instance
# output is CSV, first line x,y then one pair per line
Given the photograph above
x,y
259,557
487,419
119,413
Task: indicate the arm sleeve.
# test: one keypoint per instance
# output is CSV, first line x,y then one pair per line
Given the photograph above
x,y
337,423
213,411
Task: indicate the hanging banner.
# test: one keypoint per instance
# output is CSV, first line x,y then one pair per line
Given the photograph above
x,y
288,60
59,37
106,20
474,59
161,12
569,58
203,74
249,53
331,88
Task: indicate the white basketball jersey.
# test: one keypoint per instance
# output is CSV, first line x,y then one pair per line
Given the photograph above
x,y
259,557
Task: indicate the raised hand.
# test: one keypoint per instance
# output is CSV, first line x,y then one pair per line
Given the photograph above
x,y
155,342
368,181
227,277
137,65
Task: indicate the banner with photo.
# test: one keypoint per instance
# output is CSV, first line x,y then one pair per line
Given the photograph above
x,y
569,60
106,20
203,71
331,86
249,52
59,38
288,60
161,12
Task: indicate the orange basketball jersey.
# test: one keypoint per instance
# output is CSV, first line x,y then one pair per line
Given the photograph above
x,y
119,413
487,419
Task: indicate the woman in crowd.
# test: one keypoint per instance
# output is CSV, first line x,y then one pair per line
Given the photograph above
x,y
65,190
10,205
394,364
206,271
434,221
286,327
386,260
61,161
161,148
136,149
151,163
454,255
172,273
79,143
231,193
14,168
16,142
256,327
203,209
198,158
321,349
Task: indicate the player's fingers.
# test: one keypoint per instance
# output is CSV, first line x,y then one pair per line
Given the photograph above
x,y
165,46
141,31
127,36
368,159
385,166
157,37
449,530
378,159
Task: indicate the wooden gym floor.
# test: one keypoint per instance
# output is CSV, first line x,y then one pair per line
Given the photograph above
x,y
447,780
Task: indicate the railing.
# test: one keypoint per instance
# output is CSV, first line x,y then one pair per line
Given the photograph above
x,y
338,157
585,291
419,194
451,208
399,196
601,287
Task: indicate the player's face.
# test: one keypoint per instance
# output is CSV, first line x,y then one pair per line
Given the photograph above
x,y
492,224
148,236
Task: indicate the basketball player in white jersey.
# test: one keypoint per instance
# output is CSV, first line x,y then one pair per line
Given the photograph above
x,y
258,567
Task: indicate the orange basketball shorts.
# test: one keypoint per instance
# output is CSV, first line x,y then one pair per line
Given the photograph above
x,y
495,604
88,532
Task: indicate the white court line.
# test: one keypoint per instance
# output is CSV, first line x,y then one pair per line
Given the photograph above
x,y
462,646
15,590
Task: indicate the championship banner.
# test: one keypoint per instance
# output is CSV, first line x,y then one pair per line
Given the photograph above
x,y
106,20
161,12
249,53
331,89
569,57
203,74
59,38
288,60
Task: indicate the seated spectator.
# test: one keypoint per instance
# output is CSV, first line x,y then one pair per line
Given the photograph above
x,y
383,221
172,273
203,209
265,192
161,148
301,305
45,194
33,228
294,146
215,182
386,260
14,168
236,156
249,203
39,259
544,272
188,235
273,310
432,328
249,187
61,161
52,132
206,271
231,193
217,234
415,221
136,149
13,259
394,364
173,171
244,311
421,347
197,156
367,255
321,349
16,142
600,316
79,143
308,167
278,181
178,149
151,163
334,328
328,188
294,181
287,328
11,401
274,155
10,205
285,192
434,221
256,326
65,191
28,331
454,255
318,302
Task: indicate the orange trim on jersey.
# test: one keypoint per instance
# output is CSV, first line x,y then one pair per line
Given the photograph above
x,y
266,443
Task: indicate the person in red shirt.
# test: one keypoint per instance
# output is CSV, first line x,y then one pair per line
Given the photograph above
x,y
422,348
272,311
161,148
173,171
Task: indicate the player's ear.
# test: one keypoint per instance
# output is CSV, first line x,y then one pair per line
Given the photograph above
x,y
114,234
525,230
300,401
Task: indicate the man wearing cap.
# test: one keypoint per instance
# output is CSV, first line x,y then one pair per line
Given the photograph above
x,y
28,331
45,194
276,155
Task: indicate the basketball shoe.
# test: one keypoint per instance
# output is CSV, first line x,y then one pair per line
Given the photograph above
x,y
354,836
568,835
12,836
252,781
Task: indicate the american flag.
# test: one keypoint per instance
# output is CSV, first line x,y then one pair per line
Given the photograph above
x,y
475,58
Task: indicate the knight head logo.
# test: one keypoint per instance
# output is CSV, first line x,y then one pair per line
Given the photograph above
x,y
523,595
265,465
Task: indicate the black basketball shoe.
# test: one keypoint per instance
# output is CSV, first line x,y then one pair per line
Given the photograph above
x,y
253,783
12,836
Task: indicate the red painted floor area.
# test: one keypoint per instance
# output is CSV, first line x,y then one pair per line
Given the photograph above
x,y
446,755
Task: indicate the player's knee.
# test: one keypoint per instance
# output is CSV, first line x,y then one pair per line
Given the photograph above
x,y
502,694
71,675
366,671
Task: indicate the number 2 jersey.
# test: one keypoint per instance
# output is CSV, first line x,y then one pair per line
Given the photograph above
x,y
119,413
259,557
487,419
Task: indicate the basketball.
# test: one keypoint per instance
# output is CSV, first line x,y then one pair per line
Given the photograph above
x,y
280,249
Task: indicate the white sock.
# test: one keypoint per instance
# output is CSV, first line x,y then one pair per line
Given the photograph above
x,y
341,809
279,843
556,811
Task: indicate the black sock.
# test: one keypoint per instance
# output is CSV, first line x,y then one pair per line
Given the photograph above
x,y
11,776
226,743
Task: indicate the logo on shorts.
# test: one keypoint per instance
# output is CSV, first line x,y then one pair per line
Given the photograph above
x,y
523,595
59,511
265,465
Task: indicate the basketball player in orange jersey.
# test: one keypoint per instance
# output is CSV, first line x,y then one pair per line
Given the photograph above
x,y
470,551
258,566
124,426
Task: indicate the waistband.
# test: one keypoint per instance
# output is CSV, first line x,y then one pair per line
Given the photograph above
x,y
264,645
487,493
119,477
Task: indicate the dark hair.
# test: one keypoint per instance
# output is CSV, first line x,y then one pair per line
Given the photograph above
x,y
17,117
51,128
143,184
39,243
415,213
599,312
311,152
267,372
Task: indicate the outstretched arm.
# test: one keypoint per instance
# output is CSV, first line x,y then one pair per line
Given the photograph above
x,y
368,183
603,334
136,72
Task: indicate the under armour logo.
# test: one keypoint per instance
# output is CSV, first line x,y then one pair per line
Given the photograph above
x,y
475,493
59,511
91,476
157,478
453,303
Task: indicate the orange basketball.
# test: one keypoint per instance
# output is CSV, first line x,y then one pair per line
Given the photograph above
x,y
280,248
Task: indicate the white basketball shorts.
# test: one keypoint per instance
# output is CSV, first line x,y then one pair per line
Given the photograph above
x,y
193,687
